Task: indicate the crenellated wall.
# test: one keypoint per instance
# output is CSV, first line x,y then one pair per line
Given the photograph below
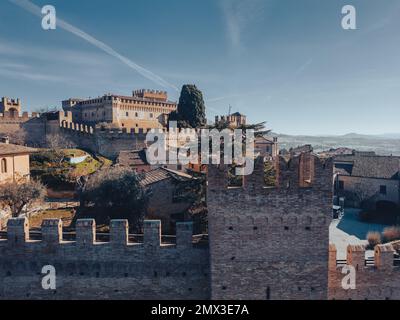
x,y
376,279
89,269
271,243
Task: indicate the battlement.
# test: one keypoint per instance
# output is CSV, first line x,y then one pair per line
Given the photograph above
x,y
151,94
375,278
383,258
51,230
114,267
6,116
10,102
77,127
298,173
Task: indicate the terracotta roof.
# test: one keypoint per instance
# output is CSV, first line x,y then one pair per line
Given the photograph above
x,y
8,149
160,174
384,167
132,158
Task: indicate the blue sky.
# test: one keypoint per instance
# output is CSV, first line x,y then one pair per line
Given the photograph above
x,y
287,62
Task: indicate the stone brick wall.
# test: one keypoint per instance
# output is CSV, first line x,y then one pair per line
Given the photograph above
x,y
88,269
369,189
270,243
377,281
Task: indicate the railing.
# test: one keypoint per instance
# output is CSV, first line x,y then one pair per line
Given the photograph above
x,y
341,262
370,262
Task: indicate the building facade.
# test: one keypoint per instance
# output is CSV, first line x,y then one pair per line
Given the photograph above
x,y
368,178
14,162
146,109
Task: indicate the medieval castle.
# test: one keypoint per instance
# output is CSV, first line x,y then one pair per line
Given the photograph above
x,y
263,242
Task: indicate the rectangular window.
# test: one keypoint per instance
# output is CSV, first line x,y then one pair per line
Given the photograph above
x,y
382,190
341,185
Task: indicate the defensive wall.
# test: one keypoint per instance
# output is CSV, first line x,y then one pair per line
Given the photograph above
x,y
271,242
87,268
375,279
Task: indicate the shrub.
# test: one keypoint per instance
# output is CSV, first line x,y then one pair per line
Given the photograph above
x,y
115,193
373,238
391,234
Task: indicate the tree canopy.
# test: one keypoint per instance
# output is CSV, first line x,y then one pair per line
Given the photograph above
x,y
191,111
115,193
17,195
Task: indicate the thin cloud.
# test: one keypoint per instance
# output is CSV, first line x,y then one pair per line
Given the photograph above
x,y
36,10
238,14
29,75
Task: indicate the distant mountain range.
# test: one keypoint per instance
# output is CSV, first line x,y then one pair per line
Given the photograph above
x,y
384,144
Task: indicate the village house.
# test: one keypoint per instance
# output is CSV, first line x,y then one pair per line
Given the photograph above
x,y
170,195
14,161
369,178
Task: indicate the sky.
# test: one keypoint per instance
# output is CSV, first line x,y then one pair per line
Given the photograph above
x,y
287,62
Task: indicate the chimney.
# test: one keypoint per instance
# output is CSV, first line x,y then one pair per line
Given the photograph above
x,y
5,140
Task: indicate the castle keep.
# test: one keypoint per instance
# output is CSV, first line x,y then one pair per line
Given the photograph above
x,y
145,109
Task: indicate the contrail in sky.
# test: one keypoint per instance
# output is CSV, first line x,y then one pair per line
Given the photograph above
x,y
36,10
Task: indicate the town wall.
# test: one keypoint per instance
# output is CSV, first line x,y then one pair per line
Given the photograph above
x,y
377,279
271,243
87,268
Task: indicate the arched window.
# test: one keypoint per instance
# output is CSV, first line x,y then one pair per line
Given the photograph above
x,y
3,165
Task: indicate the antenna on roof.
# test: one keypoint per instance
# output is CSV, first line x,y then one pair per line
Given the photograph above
x,y
230,110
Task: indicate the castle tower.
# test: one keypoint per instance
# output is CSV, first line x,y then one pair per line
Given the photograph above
x,y
10,106
271,243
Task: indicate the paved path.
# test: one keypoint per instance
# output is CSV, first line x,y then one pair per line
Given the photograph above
x,y
349,230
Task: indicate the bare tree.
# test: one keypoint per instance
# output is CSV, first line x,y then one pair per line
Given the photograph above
x,y
56,143
16,196
18,136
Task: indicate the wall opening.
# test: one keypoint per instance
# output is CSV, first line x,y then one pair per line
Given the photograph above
x,y
306,170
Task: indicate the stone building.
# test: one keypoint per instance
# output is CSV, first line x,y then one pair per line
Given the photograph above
x,y
14,162
266,146
170,195
10,106
234,120
368,178
146,109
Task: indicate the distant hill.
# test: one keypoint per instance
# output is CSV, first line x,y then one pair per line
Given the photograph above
x,y
385,144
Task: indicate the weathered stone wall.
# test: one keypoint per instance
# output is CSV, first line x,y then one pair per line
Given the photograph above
x,y
107,143
270,243
377,281
88,269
